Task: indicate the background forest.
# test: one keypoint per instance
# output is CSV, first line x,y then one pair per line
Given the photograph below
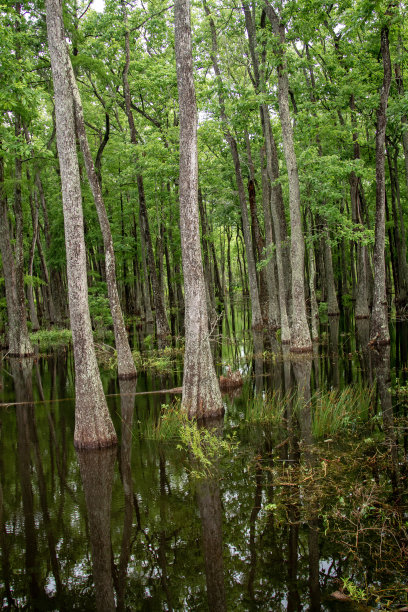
x,y
329,57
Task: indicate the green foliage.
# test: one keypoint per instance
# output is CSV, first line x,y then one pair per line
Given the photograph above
x,y
50,338
206,446
99,307
353,591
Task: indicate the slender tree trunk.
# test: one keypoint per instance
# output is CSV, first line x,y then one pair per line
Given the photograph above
x,y
273,304
399,232
379,317
300,336
93,425
54,316
276,206
126,366
253,286
162,325
314,310
201,393
35,326
404,120
18,341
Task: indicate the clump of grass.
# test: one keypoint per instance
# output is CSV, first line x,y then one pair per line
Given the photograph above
x,y
268,408
205,445
332,411
47,338
336,410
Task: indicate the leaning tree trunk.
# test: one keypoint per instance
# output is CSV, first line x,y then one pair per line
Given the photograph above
x,y
126,366
300,336
201,393
93,425
18,340
379,331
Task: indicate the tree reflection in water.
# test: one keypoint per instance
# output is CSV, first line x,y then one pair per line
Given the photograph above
x,y
97,467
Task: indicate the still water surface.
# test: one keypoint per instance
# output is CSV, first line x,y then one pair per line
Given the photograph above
x,y
132,528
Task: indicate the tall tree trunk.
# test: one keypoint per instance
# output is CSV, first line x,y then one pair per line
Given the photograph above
x,y
162,325
314,309
379,331
93,425
18,341
53,315
273,304
276,201
201,394
299,336
35,326
401,296
404,119
278,225
253,285
126,366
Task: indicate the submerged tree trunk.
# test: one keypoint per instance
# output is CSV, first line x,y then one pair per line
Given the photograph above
x,y
201,392
379,316
126,366
93,425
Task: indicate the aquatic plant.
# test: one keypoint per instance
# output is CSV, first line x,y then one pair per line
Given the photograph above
x,y
336,409
267,408
204,445
332,411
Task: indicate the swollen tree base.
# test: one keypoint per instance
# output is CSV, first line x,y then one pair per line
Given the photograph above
x,y
129,376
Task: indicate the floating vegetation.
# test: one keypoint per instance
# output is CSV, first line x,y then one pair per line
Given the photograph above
x,y
344,494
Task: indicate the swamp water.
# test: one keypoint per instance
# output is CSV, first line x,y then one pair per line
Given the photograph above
x,y
309,498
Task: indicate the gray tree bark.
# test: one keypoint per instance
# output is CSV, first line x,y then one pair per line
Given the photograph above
x,y
201,393
18,340
126,366
299,336
253,285
379,331
93,425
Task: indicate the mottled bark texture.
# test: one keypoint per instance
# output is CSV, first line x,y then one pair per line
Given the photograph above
x,y
126,366
273,205
278,216
299,336
379,316
18,341
201,393
257,322
93,425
